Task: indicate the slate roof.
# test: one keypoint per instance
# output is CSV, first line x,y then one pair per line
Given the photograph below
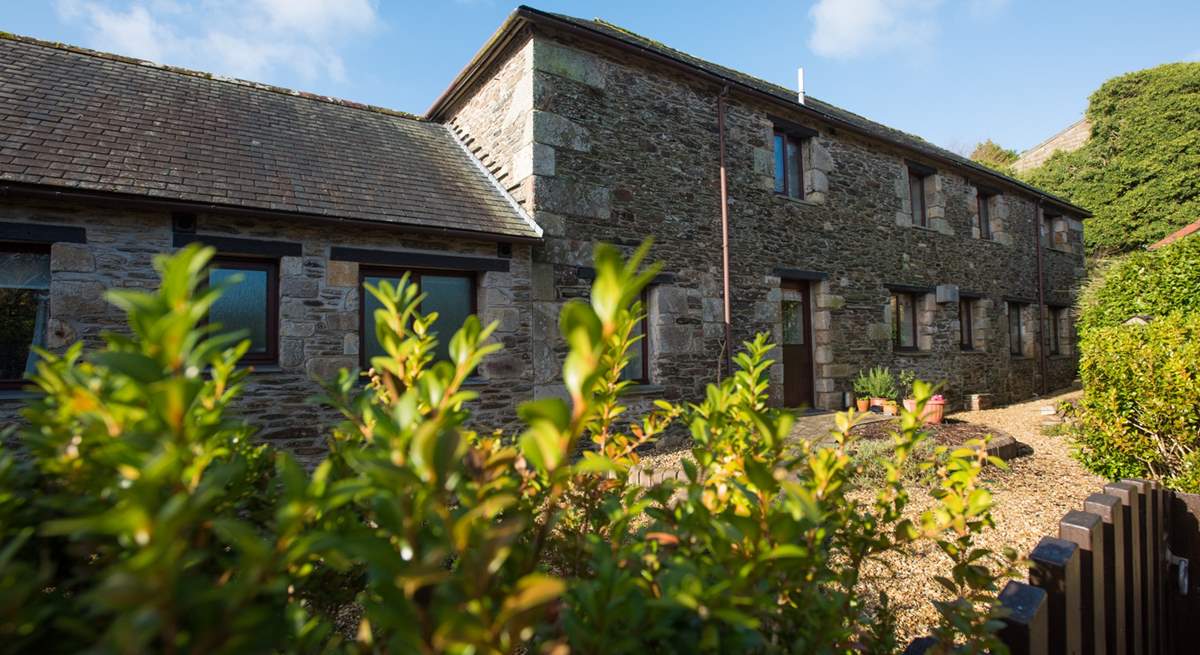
x,y
77,119
782,94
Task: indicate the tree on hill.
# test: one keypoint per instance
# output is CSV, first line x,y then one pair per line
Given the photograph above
x,y
993,155
1139,173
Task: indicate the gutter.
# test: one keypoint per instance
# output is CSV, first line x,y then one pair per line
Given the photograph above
x,y
524,15
134,201
1041,289
727,350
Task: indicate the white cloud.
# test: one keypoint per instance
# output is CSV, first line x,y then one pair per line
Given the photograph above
x,y
846,29
853,28
254,39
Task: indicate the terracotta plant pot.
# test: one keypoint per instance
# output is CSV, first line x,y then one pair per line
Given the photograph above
x,y
910,404
864,404
877,402
935,411
890,407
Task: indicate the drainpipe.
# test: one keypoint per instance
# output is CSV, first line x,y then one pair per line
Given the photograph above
x,y
1041,287
728,349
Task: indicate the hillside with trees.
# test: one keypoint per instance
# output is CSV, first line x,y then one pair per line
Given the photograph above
x,y
1140,170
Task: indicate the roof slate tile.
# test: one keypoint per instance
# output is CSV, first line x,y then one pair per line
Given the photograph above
x,y
79,119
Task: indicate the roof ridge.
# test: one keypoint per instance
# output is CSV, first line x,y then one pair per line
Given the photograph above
x,y
179,70
826,110
1051,137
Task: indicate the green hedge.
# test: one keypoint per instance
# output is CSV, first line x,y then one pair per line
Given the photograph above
x,y
1152,283
1137,172
1140,413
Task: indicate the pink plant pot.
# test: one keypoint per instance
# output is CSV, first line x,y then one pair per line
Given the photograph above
x,y
935,411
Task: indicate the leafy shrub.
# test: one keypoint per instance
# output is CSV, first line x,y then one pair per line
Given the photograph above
x,y
140,518
1140,412
1151,283
876,383
1137,172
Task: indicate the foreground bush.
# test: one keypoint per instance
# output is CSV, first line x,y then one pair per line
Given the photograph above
x,y
1140,412
138,517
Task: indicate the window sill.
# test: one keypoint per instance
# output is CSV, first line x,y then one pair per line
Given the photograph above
x,y
639,389
798,201
912,353
1020,358
16,395
973,351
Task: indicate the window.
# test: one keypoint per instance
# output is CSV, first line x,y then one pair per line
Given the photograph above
x,y
1054,329
24,292
789,167
638,368
984,202
251,305
916,198
450,294
1016,332
904,321
966,325
1048,229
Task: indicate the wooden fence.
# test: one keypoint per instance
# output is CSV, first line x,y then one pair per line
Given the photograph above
x,y
1114,580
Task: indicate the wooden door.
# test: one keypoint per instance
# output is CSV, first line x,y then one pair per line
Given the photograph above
x,y
797,345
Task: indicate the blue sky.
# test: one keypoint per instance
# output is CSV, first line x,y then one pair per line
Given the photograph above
x,y
952,71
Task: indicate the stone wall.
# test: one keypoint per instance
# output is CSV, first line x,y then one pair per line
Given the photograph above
x,y
1068,140
318,309
629,150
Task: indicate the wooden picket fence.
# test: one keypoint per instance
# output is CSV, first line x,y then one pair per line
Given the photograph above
x,y
1114,580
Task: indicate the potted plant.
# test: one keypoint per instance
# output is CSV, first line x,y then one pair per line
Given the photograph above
x,y
862,392
907,377
881,387
935,410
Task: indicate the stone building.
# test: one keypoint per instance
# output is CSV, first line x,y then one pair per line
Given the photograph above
x,y
851,243
1070,139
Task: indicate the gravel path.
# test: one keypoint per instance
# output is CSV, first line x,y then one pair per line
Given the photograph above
x,y
1031,497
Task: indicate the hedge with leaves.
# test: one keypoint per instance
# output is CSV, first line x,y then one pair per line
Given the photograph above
x,y
136,515
1140,411
1140,170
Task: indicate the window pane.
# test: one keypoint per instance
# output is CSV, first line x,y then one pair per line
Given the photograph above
x,y
903,325
450,297
779,165
916,194
793,323
985,219
795,187
243,306
965,328
908,336
24,290
24,270
633,370
370,343
1014,329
